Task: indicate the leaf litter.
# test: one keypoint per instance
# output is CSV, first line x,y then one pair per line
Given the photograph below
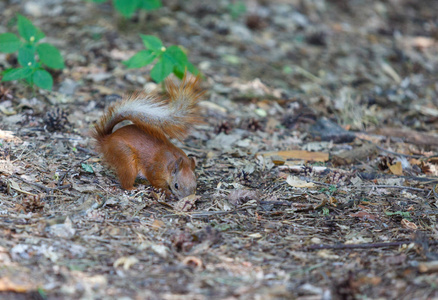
x,y
316,162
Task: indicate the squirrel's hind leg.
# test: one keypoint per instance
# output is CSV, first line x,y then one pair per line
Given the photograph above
x,y
125,163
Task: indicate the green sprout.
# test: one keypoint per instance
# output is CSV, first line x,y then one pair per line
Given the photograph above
x,y
127,7
32,70
170,59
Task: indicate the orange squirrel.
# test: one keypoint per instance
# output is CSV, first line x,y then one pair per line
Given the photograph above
x,y
143,148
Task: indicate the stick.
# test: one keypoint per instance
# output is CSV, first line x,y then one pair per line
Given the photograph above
x,y
363,246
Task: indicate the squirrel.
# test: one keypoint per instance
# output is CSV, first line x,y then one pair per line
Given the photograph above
x,y
143,148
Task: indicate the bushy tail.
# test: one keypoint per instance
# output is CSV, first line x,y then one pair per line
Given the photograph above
x,y
159,117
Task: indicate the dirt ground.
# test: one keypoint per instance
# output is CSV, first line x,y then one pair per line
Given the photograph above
x,y
317,161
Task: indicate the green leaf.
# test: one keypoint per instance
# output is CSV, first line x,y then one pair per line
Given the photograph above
x,y
178,72
237,9
28,31
161,70
404,214
176,56
178,59
152,42
87,168
140,59
15,74
192,69
43,79
150,4
50,56
9,42
29,80
26,56
126,7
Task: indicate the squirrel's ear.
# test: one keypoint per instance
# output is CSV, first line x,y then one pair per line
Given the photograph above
x,y
193,162
176,166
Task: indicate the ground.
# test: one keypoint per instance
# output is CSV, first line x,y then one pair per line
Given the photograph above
x,y
316,159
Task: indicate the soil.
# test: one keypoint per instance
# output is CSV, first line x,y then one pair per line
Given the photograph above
x,y
316,161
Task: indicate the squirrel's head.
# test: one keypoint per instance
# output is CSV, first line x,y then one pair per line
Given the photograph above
x,y
183,179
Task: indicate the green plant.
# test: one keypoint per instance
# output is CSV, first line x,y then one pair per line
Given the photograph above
x,y
87,168
403,214
237,9
170,59
330,190
31,70
127,7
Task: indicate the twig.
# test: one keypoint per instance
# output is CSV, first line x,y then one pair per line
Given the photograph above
x,y
42,187
201,214
88,151
363,246
396,153
397,187
284,203
61,179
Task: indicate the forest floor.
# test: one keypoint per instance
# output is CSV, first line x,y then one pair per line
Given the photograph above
x,y
316,164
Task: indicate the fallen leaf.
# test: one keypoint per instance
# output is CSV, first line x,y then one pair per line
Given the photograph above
x,y
296,182
430,266
299,154
255,235
157,224
410,136
193,261
126,261
161,250
7,285
396,168
6,167
348,157
408,224
9,136
187,203
364,215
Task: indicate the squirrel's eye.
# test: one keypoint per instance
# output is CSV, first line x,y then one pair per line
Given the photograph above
x,y
176,186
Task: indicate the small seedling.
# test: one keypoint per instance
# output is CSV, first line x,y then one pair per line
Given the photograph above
x,y
87,168
127,7
403,214
237,9
331,190
170,59
31,70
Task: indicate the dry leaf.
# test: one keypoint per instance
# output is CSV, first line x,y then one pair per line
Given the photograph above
x,y
193,261
410,136
408,224
187,203
430,266
296,182
299,154
364,215
357,154
8,136
157,224
161,250
327,254
255,235
7,285
396,168
6,167
126,261
422,42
